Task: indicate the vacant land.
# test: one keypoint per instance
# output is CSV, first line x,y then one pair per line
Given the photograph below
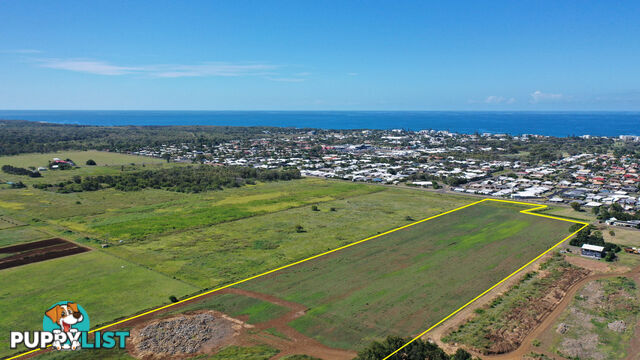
x,y
568,213
164,243
198,210
186,241
622,236
20,234
599,323
501,326
214,255
106,163
403,282
107,287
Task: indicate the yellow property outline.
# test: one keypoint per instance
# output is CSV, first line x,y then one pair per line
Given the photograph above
x,y
527,211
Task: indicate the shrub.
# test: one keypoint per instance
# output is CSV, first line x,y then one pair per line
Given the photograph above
x,y
91,162
173,298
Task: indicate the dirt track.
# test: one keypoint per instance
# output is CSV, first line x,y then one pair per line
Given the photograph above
x,y
526,347
296,343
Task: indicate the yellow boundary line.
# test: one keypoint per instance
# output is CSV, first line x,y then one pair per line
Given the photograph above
x,y
527,211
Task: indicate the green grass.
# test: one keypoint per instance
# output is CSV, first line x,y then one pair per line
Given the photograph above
x,y
276,333
476,332
255,310
20,234
108,354
235,250
30,204
107,163
107,287
197,210
401,283
260,352
568,213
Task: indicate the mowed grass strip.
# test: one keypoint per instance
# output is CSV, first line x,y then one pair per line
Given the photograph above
x,y
231,251
402,283
107,287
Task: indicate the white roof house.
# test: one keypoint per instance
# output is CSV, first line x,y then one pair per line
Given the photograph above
x,y
593,247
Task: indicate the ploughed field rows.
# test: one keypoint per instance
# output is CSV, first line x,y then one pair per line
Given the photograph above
x,y
36,251
403,282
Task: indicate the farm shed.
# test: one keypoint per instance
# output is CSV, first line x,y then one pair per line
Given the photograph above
x,y
592,251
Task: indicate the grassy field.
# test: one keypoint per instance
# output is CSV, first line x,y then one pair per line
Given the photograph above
x,y
198,210
166,243
478,332
401,283
622,236
569,213
107,163
255,310
215,255
107,287
20,234
176,243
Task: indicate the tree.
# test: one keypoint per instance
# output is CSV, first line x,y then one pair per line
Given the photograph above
x,y
90,162
610,256
173,299
315,208
299,229
417,350
166,156
576,206
461,354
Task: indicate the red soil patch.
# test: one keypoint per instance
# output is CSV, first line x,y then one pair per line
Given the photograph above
x,y
37,251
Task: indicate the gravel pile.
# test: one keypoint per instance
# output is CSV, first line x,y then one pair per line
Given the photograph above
x,y
183,334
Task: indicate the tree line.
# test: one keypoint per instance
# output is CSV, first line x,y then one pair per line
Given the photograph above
x,y
20,171
187,179
17,136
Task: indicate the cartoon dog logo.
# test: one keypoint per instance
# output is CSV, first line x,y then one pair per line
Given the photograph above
x,y
67,317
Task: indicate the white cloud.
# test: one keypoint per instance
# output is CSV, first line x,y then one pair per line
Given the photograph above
x,y
285,79
538,96
495,99
162,71
353,74
88,66
21,51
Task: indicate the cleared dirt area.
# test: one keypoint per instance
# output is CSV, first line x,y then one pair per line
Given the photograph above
x,y
207,331
37,251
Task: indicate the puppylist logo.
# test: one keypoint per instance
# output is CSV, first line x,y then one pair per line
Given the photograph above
x,y
65,326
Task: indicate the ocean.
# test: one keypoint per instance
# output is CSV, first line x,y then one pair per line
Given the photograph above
x,y
514,123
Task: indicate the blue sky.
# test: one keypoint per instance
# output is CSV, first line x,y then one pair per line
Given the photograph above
x,y
320,55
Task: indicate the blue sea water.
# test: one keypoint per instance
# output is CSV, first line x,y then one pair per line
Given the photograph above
x,y
514,123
